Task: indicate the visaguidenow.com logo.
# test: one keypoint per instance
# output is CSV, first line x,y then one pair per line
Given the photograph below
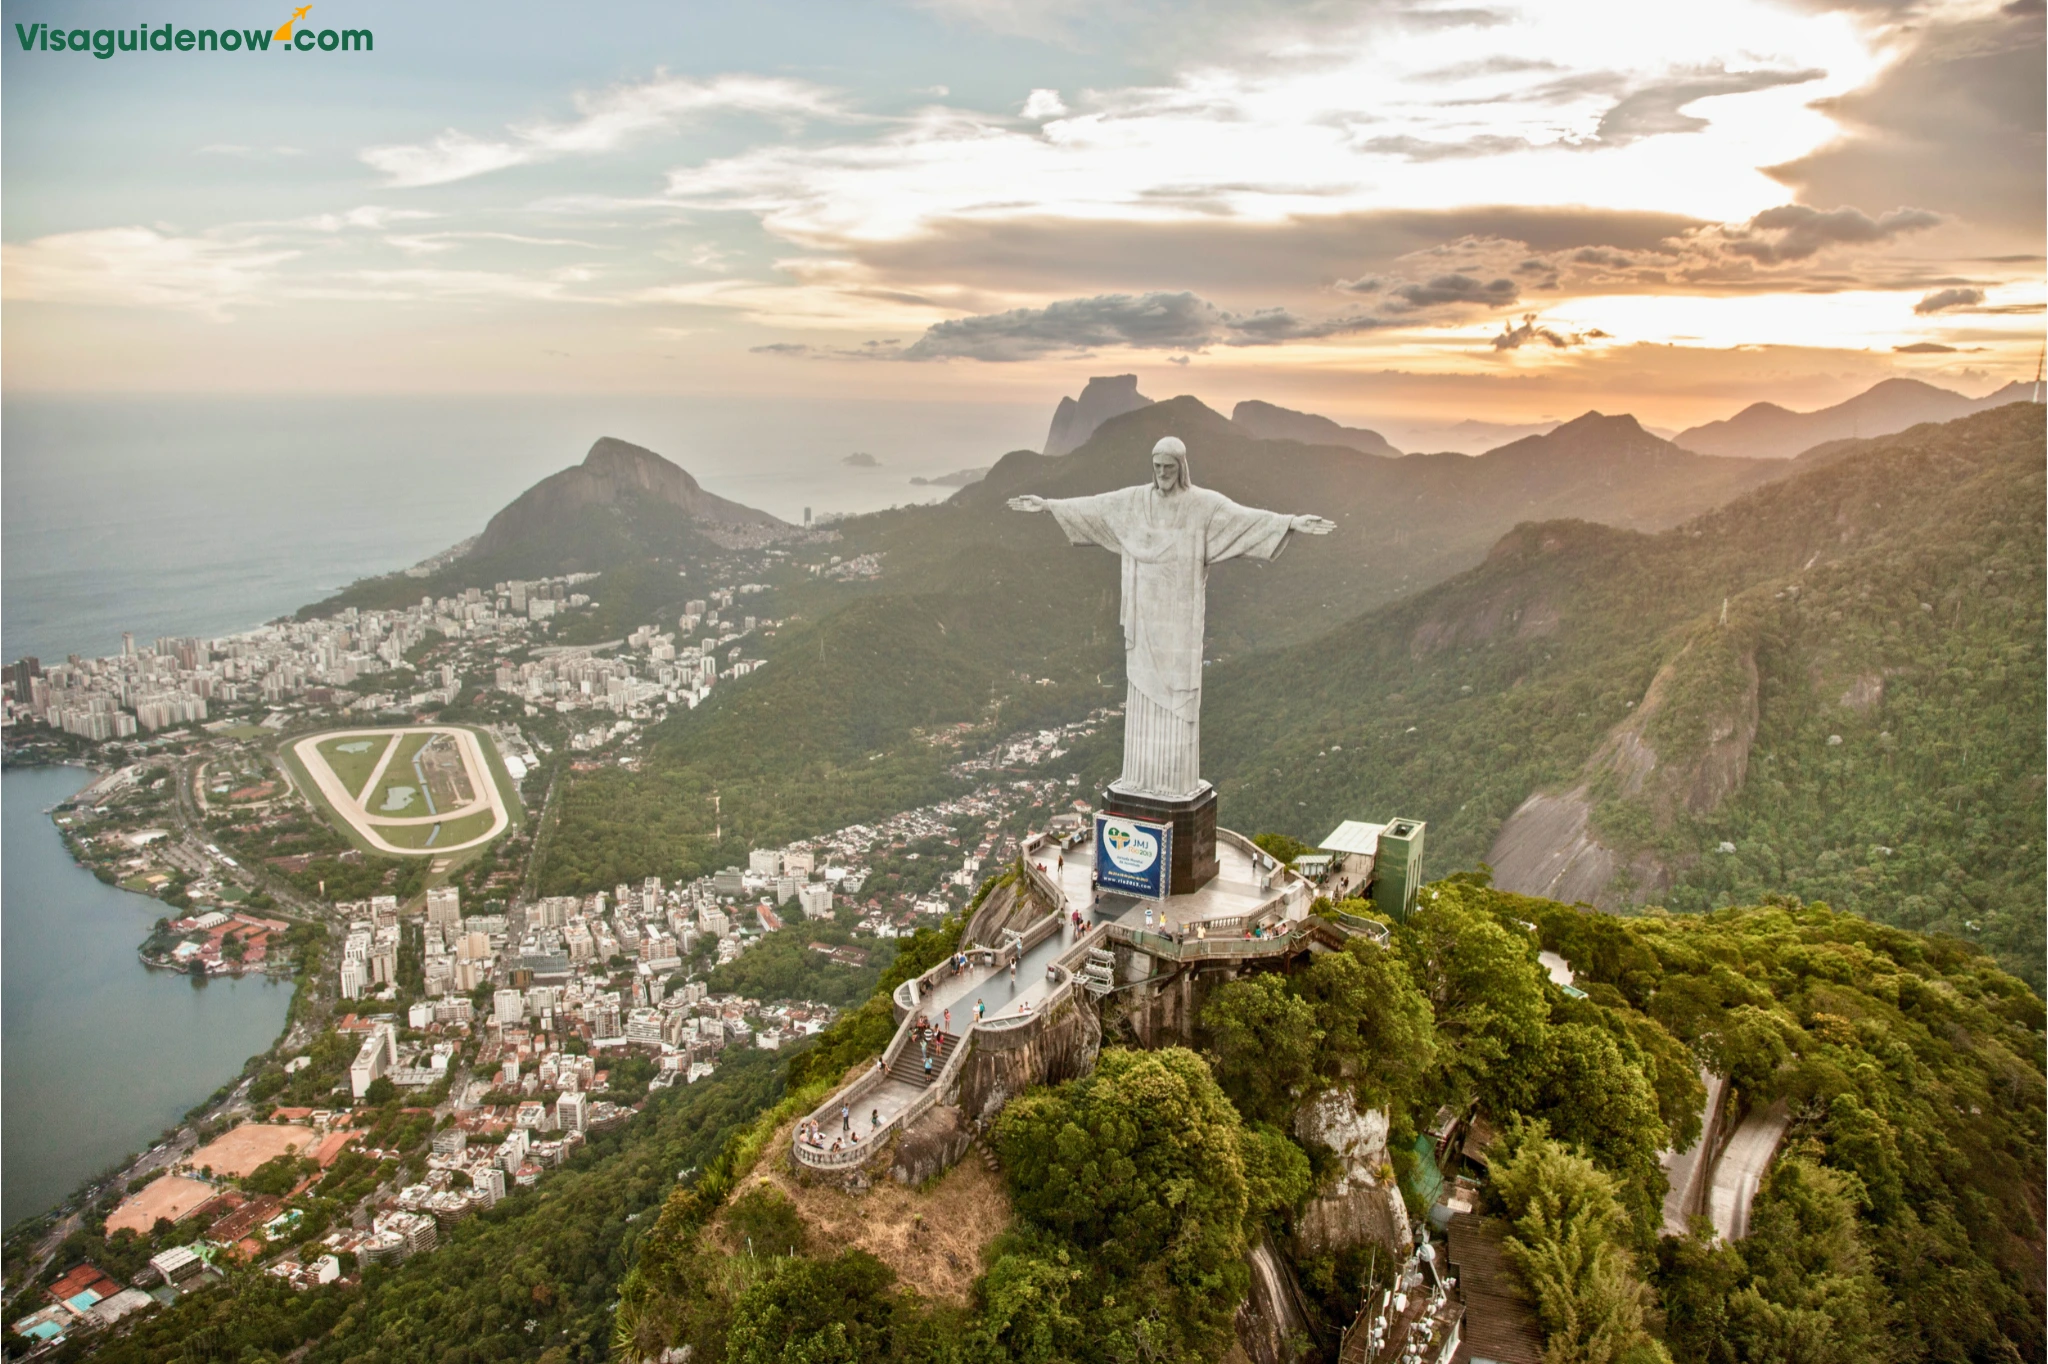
x,y
105,42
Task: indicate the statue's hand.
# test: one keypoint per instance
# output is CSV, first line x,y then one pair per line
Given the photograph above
x,y
1029,502
1307,525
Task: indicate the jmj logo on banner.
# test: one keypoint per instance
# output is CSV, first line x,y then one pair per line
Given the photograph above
x,y
1133,856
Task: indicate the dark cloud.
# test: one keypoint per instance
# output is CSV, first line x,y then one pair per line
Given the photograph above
x,y
1221,257
1490,66
1422,149
1793,232
1955,124
1594,255
1941,300
866,350
1660,108
1528,332
1180,321
1638,111
1447,289
1925,348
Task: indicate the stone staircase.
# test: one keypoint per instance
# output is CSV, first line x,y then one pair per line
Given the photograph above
x,y
909,1066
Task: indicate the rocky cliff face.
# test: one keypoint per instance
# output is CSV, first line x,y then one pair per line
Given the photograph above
x,y
1685,748
1363,1205
615,473
1106,396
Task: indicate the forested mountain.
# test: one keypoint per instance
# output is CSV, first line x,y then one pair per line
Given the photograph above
x,y
1831,687
621,508
985,615
1768,431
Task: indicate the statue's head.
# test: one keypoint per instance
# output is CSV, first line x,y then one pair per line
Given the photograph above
x,y
1170,465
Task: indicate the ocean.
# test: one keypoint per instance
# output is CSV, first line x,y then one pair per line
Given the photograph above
x,y
204,516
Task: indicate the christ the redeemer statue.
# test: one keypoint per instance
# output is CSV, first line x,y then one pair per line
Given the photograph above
x,y
1167,532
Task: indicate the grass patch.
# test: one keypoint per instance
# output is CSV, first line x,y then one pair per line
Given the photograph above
x,y
453,831
400,773
350,763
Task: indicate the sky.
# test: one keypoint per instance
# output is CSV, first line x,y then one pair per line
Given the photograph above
x,y
1396,211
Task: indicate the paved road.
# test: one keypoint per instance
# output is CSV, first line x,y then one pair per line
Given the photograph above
x,y
1740,1171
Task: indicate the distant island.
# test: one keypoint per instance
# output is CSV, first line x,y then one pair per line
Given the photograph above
x,y
861,459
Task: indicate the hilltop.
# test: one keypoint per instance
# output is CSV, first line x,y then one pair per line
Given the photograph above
x,y
623,506
1268,422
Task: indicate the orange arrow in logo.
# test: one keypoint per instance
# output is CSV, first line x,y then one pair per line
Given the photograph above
x,y
284,33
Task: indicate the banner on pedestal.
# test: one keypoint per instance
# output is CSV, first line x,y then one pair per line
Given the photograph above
x,y
1133,856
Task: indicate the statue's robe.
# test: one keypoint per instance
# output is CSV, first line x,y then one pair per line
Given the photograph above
x,y
1167,542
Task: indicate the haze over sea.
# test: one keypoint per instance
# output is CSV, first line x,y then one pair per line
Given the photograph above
x,y
205,516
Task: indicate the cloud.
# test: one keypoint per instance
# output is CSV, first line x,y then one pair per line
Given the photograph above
x,y
1955,123
1793,232
1925,348
1156,321
608,120
1941,300
1660,107
1515,337
140,267
1447,289
1044,104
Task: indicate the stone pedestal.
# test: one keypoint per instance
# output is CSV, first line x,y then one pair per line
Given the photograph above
x,y
1194,832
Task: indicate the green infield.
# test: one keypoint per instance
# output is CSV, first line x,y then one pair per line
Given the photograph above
x,y
354,758
399,792
423,837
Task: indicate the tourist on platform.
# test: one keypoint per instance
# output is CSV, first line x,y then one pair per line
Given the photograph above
x,y
948,1015
845,1118
874,1117
980,1010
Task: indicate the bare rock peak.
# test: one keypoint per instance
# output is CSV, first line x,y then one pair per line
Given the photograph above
x,y
1106,396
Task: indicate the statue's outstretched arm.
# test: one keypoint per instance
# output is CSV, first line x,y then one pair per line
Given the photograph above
x,y
1307,525
1029,502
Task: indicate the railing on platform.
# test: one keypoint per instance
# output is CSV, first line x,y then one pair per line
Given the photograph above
x,y
1170,946
907,997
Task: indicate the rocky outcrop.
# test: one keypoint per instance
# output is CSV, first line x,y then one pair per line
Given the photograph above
x,y
1268,422
1106,396
1364,1204
1685,748
931,1145
1272,1313
1058,1044
613,473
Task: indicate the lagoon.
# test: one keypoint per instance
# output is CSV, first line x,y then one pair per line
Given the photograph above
x,y
100,1053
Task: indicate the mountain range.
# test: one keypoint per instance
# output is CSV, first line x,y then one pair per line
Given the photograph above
x,y
1768,431
1268,422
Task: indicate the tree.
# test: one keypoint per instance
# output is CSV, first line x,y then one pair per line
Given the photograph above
x,y
1567,1219
815,1312
1265,1041
380,1091
1378,1035
1483,983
